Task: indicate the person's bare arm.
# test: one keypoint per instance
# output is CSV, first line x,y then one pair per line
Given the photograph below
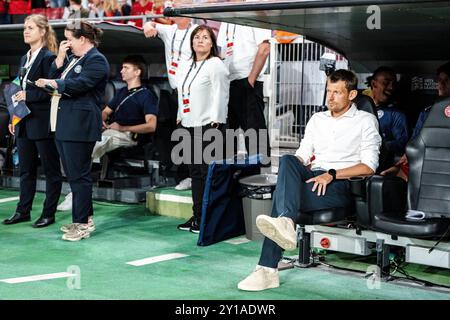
x,y
321,181
150,29
148,127
106,112
260,60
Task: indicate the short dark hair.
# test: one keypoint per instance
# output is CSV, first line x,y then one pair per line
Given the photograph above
x,y
85,29
445,68
139,62
349,77
378,71
214,50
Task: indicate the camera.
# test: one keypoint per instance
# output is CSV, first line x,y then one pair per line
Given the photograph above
x,y
328,63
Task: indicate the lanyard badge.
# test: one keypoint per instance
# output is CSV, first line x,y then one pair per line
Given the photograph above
x,y
229,51
187,93
173,68
186,108
174,63
230,42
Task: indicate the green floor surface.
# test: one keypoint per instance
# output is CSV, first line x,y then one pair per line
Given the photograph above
x,y
127,233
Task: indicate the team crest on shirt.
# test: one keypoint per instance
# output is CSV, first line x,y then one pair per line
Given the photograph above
x,y
77,69
380,114
447,111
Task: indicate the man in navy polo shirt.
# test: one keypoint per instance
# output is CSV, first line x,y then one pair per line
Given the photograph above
x,y
393,123
132,112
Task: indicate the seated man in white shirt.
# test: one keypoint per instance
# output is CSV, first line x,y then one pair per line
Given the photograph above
x,y
345,142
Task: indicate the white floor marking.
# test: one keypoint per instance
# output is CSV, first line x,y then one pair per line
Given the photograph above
x,y
39,277
238,240
172,198
164,257
9,199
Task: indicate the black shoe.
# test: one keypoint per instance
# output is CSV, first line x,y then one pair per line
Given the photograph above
x,y
187,225
195,227
17,217
43,222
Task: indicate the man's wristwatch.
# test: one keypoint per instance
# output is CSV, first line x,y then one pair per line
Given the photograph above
x,y
332,172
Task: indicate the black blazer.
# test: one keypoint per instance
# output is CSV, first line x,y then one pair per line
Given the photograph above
x,y
37,123
83,90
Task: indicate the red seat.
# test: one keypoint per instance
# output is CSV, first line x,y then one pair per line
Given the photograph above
x,y
55,13
38,11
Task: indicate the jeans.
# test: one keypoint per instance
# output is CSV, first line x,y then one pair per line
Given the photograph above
x,y
293,195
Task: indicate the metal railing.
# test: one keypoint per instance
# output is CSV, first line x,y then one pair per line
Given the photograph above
x,y
144,18
297,86
59,22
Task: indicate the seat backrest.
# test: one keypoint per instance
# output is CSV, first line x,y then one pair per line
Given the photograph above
x,y
428,156
2,95
110,91
4,131
154,88
365,103
118,84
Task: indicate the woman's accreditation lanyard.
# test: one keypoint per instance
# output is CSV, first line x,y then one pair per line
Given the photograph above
x,y
174,64
54,102
70,66
230,44
187,93
27,67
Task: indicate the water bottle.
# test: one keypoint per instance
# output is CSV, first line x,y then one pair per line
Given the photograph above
x,y
154,167
15,158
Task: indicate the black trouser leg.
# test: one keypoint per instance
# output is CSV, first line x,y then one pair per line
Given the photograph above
x,y
28,160
198,174
246,111
53,180
76,159
198,168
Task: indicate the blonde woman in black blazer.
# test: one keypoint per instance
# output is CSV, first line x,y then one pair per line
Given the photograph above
x,y
32,133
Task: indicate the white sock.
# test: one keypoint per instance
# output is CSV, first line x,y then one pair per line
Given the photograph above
x,y
272,270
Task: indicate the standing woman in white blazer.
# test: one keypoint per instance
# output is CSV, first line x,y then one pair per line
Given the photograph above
x,y
203,89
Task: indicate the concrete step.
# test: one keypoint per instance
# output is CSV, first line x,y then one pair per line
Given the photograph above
x,y
170,202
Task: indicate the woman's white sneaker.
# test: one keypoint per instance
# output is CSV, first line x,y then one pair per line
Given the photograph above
x,y
90,226
77,232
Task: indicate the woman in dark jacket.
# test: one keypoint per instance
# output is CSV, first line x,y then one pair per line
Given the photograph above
x,y
79,82
33,134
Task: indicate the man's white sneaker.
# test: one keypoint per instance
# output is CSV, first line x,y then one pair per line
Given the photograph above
x,y
77,232
90,226
185,184
280,230
261,279
66,204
